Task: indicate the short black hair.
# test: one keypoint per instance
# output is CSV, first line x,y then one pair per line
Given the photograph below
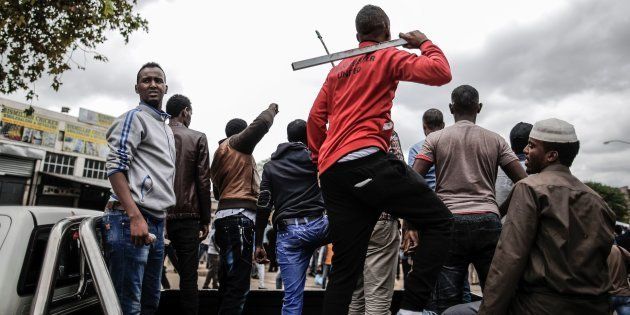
x,y
465,98
371,20
296,131
433,118
566,151
150,64
235,126
519,136
176,104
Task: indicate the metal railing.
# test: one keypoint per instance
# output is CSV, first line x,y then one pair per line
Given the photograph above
x,y
91,256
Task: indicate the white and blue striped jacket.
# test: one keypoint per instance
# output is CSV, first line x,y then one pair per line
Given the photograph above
x,y
142,146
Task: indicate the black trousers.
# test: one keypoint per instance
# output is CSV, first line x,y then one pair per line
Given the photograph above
x,y
355,193
184,236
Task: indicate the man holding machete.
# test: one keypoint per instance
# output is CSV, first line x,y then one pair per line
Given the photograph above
x,y
358,177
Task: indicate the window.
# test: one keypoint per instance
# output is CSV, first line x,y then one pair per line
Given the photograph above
x,y
94,169
68,263
59,164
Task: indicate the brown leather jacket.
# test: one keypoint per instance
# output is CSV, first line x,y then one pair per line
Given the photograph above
x,y
192,175
236,181
551,257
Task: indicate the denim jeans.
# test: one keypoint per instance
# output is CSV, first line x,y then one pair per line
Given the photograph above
x,y
621,304
294,247
234,237
184,236
136,271
474,238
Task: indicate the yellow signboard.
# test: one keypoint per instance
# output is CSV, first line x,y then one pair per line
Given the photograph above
x,y
85,134
18,117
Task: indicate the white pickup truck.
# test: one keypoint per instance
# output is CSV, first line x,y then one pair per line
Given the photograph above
x,y
24,234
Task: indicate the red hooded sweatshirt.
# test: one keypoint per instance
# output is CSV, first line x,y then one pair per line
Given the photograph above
x,y
356,99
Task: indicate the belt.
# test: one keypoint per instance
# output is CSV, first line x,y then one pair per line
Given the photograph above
x,y
297,221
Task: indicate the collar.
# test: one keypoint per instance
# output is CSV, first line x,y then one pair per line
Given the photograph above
x,y
156,113
367,43
556,168
175,123
464,122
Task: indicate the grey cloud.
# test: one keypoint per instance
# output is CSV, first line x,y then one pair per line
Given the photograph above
x,y
547,68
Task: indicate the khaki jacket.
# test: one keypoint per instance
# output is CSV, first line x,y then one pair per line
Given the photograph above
x,y
192,175
551,257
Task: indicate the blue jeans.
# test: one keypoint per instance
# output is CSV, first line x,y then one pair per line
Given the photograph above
x,y
136,271
234,236
294,247
621,304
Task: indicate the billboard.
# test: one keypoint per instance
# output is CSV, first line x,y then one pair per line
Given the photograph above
x,y
85,140
35,129
93,118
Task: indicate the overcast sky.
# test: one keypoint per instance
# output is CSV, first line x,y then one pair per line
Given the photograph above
x,y
529,60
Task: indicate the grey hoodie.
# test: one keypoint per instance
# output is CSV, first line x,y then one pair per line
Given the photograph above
x,y
142,146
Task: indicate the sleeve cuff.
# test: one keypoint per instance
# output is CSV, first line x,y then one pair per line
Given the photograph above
x,y
424,157
112,172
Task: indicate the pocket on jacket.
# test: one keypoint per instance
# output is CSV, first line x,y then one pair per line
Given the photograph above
x,y
146,186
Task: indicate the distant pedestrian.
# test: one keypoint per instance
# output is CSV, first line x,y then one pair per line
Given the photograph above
x,y
212,263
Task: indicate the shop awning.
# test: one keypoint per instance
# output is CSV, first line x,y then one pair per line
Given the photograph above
x,y
82,180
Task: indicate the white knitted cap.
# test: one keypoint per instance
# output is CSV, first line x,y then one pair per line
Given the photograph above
x,y
553,130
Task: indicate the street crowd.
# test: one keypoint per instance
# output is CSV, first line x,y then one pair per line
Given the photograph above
x,y
540,241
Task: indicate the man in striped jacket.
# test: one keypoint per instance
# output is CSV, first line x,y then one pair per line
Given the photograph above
x,y
141,169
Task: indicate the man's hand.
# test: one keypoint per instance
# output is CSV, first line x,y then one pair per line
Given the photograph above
x,y
203,232
414,39
274,107
410,241
139,231
261,255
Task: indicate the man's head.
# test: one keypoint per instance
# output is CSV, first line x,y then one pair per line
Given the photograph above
x,y
465,101
151,84
519,136
551,141
296,131
179,107
432,120
235,126
372,24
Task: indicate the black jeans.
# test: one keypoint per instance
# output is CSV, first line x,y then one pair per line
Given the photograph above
x,y
234,237
473,240
184,236
355,193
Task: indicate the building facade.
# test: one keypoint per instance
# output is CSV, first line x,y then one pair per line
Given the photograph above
x,y
51,158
